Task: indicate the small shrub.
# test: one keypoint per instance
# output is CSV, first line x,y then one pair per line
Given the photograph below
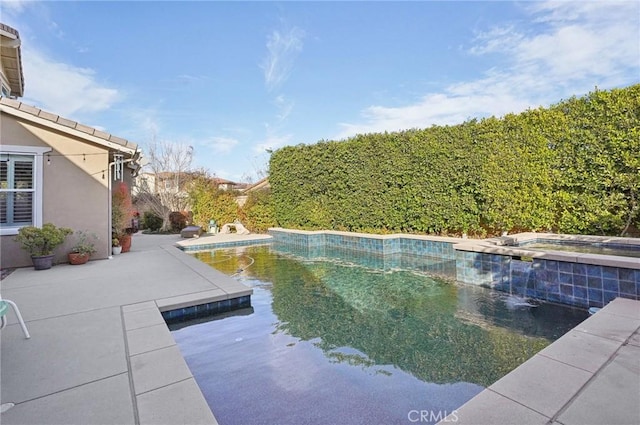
x,y
85,243
178,220
42,241
151,221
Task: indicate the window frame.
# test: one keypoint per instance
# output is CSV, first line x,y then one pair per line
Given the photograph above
x,y
37,152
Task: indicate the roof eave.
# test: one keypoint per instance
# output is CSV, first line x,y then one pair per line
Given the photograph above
x,y
69,127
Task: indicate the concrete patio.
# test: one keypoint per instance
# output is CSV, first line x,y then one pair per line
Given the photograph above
x,y
100,351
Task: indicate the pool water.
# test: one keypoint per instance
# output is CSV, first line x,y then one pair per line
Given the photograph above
x,y
631,251
331,341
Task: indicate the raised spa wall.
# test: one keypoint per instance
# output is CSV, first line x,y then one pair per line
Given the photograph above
x,y
582,280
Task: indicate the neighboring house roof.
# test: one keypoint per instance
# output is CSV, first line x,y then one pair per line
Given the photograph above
x,y
11,59
73,128
219,181
260,184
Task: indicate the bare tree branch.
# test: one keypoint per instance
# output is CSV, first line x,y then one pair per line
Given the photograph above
x,y
162,187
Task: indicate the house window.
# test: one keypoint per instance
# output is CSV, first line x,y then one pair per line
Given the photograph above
x,y
16,190
20,187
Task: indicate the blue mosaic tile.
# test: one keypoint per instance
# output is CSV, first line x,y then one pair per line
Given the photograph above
x,y
608,296
595,297
610,285
571,283
580,292
579,269
579,280
580,302
594,282
553,288
567,299
594,271
627,287
610,272
518,281
541,275
566,289
625,274
553,276
554,297
566,278
565,267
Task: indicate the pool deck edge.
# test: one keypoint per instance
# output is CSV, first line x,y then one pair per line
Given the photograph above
x,y
589,375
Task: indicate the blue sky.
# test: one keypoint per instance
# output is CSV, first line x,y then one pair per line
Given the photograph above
x,y
233,79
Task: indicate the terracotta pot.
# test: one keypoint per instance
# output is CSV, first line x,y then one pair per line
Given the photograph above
x,y
125,242
76,259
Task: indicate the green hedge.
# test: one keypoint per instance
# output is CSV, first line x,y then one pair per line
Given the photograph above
x,y
572,168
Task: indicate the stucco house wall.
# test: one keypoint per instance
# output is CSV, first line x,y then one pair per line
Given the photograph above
x,y
76,185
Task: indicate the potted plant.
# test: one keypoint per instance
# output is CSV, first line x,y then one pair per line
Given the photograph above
x,y
83,248
121,215
115,246
40,243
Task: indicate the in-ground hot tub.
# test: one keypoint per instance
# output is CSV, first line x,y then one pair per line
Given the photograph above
x,y
585,271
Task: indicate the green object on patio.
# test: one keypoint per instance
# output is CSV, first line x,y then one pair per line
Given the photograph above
x,y
4,307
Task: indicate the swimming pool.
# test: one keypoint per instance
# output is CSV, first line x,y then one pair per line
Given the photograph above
x,y
364,339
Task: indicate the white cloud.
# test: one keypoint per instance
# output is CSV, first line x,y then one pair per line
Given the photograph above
x,y
222,144
285,106
62,88
576,46
282,47
15,6
273,142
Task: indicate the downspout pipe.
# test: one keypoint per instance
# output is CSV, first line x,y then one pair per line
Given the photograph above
x,y
110,200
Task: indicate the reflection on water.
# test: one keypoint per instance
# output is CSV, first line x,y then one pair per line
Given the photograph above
x,y
334,334
631,251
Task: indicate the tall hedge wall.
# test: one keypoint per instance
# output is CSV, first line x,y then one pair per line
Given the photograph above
x,y
571,168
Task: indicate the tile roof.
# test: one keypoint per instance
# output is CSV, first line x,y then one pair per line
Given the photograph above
x,y
260,184
16,107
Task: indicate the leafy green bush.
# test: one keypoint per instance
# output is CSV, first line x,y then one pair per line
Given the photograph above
x,y
257,213
573,168
42,241
210,204
151,221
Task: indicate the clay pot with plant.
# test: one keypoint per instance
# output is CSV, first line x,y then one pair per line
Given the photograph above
x,y
83,248
40,242
121,215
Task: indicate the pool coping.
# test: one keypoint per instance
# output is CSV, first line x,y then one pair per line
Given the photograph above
x,y
560,383
389,236
222,240
156,352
